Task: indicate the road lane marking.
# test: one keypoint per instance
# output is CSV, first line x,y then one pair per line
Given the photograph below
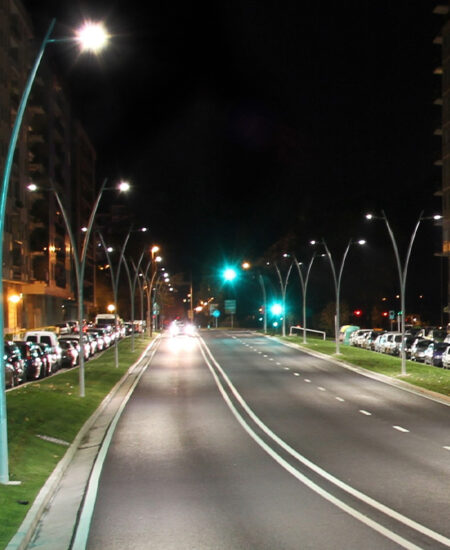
x,y
296,374
447,447
340,399
400,429
323,473
308,380
321,388
367,413
287,368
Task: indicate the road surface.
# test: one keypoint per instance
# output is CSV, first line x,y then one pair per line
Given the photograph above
x,y
235,441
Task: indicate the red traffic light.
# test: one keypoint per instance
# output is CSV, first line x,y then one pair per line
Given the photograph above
x,y
357,313
385,314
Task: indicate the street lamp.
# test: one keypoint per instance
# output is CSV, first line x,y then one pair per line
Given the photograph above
x,y
283,285
304,284
115,285
4,470
337,278
79,263
402,270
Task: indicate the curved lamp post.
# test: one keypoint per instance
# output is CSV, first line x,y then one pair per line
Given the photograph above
x,y
283,286
91,46
132,286
115,284
304,284
337,278
402,270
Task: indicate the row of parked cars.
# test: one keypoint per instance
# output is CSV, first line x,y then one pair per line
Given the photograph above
x,y
42,353
429,346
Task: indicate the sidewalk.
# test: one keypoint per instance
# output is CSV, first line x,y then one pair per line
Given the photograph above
x,y
53,519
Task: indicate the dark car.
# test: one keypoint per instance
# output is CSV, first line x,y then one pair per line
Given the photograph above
x,y
434,352
69,356
13,356
32,359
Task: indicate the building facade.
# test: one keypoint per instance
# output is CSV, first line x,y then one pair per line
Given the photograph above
x,y
52,151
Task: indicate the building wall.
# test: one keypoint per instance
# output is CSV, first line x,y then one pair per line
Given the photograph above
x,y
38,270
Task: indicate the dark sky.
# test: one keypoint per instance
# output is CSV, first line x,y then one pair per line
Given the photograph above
x,y
238,122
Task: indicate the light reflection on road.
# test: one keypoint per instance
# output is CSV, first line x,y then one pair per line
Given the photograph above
x,y
179,344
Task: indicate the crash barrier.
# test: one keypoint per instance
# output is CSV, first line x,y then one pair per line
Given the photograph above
x,y
292,331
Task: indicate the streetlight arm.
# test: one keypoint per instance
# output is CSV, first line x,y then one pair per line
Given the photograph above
x,y
4,469
411,242
395,247
91,222
333,269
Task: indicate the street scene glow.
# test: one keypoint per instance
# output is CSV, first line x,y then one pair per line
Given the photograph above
x,y
92,37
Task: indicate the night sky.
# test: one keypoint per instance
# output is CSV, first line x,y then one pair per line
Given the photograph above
x,y
242,123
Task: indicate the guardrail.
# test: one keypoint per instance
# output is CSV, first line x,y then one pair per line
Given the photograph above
x,y
301,329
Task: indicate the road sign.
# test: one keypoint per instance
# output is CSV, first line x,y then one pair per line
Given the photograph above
x,y
230,306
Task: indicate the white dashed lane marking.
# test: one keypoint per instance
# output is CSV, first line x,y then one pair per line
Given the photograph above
x,y
401,429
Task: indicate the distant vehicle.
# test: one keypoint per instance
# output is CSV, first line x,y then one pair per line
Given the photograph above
x,y
357,335
63,328
105,320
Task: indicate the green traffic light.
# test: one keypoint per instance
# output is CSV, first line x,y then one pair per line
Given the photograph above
x,y
229,274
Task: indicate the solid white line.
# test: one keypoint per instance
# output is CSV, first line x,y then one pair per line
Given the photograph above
x,y
400,429
344,486
84,523
299,476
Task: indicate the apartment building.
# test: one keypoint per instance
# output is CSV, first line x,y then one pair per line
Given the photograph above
x,y
52,151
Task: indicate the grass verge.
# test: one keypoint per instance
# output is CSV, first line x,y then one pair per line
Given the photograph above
x,y
52,407
417,374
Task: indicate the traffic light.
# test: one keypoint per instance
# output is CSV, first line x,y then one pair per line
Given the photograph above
x,y
229,274
357,313
385,314
276,309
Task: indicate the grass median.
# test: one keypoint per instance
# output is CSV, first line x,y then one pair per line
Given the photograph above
x,y
431,378
52,408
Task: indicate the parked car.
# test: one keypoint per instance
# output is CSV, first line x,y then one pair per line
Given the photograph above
x,y
10,374
69,356
13,356
394,344
98,337
446,358
47,358
87,348
50,339
370,338
63,328
32,359
418,349
408,342
433,353
357,336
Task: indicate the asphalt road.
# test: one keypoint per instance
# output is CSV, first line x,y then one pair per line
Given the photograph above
x,y
235,441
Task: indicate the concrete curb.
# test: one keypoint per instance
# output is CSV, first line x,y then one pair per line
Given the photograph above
x,y
24,534
423,392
